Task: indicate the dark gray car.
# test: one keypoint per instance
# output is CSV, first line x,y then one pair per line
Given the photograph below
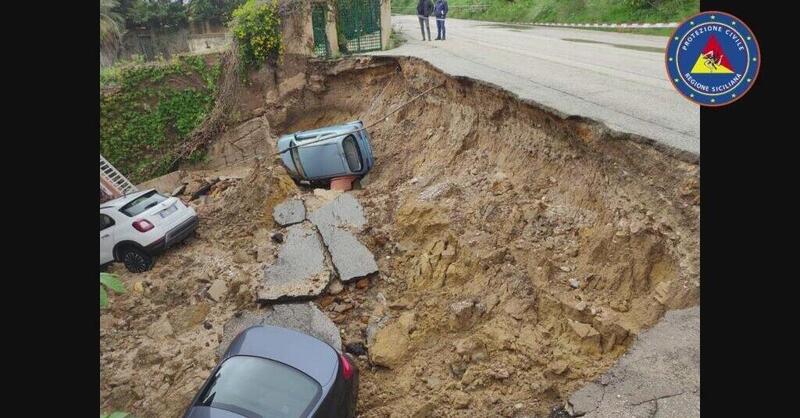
x,y
271,372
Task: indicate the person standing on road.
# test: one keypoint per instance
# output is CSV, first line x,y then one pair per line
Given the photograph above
x,y
440,12
424,10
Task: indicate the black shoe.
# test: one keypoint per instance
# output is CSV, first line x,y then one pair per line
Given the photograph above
x,y
438,39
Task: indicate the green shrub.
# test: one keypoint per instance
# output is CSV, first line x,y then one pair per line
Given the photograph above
x,y
257,30
153,108
110,281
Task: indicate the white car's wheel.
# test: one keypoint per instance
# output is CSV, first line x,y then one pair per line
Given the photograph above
x,y
136,260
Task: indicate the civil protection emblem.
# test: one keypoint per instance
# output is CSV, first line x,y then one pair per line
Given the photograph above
x,y
713,58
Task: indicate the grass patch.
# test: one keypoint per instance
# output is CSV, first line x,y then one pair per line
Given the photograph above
x,y
565,11
151,109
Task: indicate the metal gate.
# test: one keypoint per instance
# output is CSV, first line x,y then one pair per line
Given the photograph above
x,y
318,21
146,46
360,25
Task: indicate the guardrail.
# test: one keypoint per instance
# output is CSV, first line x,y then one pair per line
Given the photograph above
x,y
607,25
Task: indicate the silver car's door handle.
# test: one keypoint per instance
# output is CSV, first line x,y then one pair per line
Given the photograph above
x,y
105,236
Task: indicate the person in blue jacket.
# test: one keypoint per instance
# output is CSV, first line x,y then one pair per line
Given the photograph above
x,y
424,10
440,11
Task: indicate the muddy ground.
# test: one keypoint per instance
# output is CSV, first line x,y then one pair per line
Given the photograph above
x,y
519,252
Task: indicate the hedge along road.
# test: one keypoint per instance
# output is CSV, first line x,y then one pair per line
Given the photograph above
x,y
617,78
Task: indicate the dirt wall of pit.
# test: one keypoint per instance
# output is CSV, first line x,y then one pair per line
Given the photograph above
x,y
519,251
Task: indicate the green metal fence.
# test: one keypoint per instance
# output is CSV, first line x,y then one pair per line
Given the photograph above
x,y
321,48
359,22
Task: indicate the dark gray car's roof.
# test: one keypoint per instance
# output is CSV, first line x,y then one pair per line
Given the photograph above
x,y
209,412
303,352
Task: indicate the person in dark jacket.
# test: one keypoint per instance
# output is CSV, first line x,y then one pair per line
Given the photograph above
x,y
424,11
440,12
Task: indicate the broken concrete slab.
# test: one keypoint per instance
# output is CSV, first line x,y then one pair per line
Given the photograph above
x,y
303,317
300,269
351,258
289,212
661,369
343,212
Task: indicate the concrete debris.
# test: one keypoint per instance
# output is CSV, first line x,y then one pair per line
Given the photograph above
x,y
660,372
351,258
303,317
300,270
289,212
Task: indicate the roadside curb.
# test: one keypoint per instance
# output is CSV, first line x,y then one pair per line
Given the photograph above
x,y
610,25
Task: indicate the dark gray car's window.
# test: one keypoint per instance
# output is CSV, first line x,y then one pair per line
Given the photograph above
x,y
260,388
351,153
142,203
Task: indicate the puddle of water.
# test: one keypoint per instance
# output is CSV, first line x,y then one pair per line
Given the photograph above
x,y
634,47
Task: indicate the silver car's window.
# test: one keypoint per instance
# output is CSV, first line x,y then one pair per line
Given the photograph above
x,y
257,387
352,153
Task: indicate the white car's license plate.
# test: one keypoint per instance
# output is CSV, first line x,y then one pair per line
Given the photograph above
x,y
168,211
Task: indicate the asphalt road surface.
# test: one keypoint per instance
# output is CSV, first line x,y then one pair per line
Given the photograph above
x,y
617,78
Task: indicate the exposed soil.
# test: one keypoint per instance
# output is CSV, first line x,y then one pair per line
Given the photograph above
x,y
519,252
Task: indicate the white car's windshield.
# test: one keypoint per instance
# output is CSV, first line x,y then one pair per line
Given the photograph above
x,y
142,203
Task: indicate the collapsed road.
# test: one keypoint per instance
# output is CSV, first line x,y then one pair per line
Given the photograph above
x,y
517,254
616,78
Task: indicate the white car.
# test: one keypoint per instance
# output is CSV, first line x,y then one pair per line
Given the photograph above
x,y
135,227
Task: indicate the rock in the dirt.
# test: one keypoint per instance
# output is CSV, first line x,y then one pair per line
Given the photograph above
x,y
302,317
342,307
558,367
574,283
159,329
300,270
289,212
583,330
375,324
461,400
335,287
217,290
138,287
464,314
277,238
187,317
391,344
356,348
242,257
